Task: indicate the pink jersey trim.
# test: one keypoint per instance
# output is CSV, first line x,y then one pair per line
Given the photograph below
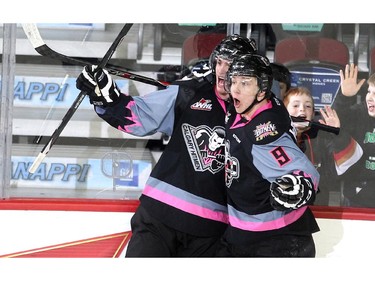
x,y
133,118
269,225
184,205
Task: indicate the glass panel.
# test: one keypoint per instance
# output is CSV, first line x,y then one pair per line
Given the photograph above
x,y
90,159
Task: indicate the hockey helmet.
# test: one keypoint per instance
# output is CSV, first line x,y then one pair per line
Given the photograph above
x,y
251,65
281,73
231,47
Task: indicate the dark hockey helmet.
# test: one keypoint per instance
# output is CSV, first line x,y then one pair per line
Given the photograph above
x,y
251,65
200,66
231,47
281,73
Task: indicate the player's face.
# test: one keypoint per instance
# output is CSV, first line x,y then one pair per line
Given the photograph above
x,y
370,100
221,69
244,90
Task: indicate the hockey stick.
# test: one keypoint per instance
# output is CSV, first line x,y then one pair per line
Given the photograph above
x,y
317,125
77,101
32,33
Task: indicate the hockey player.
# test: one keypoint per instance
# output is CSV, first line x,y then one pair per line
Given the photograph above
x,y
270,181
182,210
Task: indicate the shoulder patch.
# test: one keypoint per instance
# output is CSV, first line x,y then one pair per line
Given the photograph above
x,y
202,104
264,130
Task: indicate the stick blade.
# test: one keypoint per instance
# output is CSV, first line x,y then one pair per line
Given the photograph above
x,y
32,33
37,162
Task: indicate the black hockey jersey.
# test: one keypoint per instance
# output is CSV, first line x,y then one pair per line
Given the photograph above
x,y
257,152
186,188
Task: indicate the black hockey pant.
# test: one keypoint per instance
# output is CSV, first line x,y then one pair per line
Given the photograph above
x,y
151,238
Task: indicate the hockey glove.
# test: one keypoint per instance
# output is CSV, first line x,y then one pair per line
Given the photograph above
x,y
291,192
99,85
85,81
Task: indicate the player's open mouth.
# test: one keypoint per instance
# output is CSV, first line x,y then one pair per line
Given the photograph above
x,y
220,81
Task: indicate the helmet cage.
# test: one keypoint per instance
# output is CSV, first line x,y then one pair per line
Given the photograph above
x,y
253,66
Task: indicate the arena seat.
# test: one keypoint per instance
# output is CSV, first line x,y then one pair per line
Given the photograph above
x,y
315,49
314,62
199,47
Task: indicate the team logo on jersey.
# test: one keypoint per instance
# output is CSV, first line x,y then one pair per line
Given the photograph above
x,y
264,130
205,146
227,116
369,137
232,166
202,104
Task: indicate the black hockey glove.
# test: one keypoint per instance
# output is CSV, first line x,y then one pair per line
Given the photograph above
x,y
85,81
291,192
99,86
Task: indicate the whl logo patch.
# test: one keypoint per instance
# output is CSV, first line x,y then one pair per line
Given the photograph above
x,y
203,104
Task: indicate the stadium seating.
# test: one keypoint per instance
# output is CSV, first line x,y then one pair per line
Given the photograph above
x,y
199,46
314,62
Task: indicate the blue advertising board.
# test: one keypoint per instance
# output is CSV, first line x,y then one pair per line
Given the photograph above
x,y
322,81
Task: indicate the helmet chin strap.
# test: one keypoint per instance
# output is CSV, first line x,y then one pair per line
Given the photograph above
x,y
253,103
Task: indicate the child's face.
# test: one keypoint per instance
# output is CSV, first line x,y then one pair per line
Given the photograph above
x,y
370,100
301,105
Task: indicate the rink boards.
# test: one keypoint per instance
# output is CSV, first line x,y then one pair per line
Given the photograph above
x,y
101,228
